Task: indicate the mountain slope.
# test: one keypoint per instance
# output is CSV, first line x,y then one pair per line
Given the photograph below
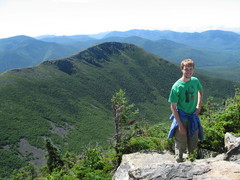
x,y
230,73
23,51
69,100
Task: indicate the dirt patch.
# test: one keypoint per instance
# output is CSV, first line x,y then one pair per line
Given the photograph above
x,y
6,147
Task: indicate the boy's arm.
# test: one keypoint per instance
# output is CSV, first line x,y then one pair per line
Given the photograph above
x,y
181,129
199,103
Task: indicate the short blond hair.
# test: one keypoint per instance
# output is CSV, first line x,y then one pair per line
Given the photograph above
x,y
187,63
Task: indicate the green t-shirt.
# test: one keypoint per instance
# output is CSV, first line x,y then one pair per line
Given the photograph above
x,y
185,94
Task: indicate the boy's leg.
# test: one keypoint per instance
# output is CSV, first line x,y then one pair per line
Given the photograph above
x,y
180,143
192,143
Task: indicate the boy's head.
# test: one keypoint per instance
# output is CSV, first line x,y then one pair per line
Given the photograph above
x,y
187,63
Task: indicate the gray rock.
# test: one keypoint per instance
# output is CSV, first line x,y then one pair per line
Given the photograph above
x,y
230,139
232,143
169,171
153,165
161,165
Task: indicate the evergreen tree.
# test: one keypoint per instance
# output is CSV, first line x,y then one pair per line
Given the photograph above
x,y
54,160
123,117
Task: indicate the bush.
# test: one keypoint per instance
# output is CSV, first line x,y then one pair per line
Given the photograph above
x,y
145,137
225,118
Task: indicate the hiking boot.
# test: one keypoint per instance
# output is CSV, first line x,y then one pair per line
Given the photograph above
x,y
179,159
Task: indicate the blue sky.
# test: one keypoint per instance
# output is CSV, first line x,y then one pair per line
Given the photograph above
x,y
71,17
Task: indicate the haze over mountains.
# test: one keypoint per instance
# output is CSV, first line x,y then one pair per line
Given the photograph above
x,y
69,100
215,52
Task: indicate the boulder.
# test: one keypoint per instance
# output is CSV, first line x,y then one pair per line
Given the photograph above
x,y
232,144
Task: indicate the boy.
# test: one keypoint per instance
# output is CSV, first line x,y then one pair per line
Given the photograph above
x,y
186,98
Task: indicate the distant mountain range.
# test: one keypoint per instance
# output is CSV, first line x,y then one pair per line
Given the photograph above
x,y
212,39
212,50
24,51
69,100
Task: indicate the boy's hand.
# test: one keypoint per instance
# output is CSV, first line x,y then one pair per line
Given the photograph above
x,y
198,110
182,130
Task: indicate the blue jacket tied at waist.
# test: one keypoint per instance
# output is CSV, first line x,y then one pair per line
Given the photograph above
x,y
193,124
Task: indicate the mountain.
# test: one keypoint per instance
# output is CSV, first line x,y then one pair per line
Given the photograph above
x,y
213,39
175,52
212,50
209,48
153,35
67,39
214,47
167,49
23,51
69,100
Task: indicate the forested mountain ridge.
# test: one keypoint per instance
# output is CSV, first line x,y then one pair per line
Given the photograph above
x,y
215,50
209,48
69,100
175,52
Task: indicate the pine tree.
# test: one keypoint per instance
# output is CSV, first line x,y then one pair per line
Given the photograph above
x,y
54,160
123,117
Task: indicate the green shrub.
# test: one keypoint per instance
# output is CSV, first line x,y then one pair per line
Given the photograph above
x,y
145,137
225,118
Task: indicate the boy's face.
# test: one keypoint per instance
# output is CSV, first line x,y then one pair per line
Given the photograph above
x,y
187,71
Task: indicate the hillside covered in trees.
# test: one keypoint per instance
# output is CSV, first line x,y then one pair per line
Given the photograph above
x,y
96,162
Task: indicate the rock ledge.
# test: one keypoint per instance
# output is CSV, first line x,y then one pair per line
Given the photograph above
x,y
152,165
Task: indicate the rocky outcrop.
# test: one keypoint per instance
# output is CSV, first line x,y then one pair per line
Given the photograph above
x,y
34,154
232,143
162,166
64,65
